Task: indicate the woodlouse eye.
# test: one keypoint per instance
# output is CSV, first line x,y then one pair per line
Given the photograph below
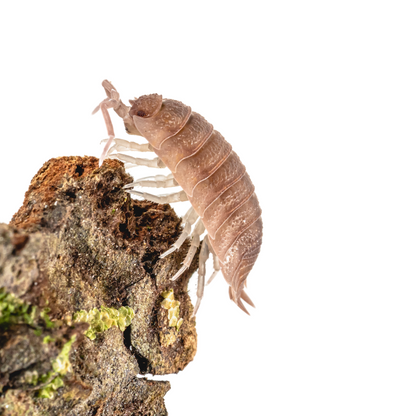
x,y
146,105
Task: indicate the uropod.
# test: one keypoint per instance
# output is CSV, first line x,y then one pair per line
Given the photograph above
x,y
211,176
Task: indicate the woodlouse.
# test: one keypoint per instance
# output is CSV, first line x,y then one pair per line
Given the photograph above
x,y
211,175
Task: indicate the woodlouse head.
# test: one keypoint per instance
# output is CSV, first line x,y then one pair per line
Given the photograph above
x,y
146,105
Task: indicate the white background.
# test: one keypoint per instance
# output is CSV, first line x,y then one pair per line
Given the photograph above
x,y
319,100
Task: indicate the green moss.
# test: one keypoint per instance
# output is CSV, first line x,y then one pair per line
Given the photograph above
x,y
38,332
49,390
14,311
172,306
48,339
44,315
102,319
61,366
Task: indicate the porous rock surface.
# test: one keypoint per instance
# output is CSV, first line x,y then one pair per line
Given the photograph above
x,y
80,242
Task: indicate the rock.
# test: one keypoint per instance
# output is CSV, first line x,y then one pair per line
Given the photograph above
x,y
81,255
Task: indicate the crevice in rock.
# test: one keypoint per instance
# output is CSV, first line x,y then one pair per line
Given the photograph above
x,y
79,170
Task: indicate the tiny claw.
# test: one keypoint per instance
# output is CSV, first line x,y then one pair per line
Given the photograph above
x,y
198,302
179,272
130,186
105,151
212,277
167,252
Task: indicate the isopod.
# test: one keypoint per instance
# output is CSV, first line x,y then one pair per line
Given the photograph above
x,y
211,176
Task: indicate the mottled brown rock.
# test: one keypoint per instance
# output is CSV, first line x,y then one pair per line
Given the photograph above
x,y
78,242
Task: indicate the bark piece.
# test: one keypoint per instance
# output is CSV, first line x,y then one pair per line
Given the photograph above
x,y
80,242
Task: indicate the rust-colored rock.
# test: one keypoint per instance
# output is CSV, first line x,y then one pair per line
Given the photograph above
x,y
80,242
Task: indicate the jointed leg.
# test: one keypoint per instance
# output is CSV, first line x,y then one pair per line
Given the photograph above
x,y
217,265
203,257
188,219
104,106
161,199
121,144
129,165
199,229
157,181
151,163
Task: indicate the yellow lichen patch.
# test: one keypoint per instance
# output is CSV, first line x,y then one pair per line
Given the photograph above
x,y
172,306
61,365
104,318
168,338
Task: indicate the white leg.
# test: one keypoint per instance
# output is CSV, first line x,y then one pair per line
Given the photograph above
x,y
199,229
151,163
121,144
188,219
157,181
203,257
104,106
129,166
217,265
161,199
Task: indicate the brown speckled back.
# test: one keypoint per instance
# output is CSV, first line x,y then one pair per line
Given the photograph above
x,y
214,179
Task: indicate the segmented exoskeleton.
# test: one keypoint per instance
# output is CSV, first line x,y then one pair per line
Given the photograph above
x,y
211,175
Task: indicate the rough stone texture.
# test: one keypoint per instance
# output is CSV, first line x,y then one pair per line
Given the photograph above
x,y
78,242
